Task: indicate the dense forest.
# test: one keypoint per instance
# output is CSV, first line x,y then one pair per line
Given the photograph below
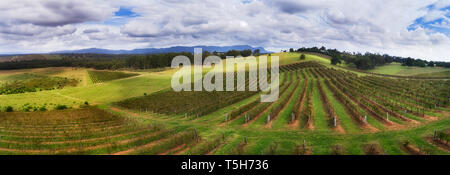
x,y
369,60
104,61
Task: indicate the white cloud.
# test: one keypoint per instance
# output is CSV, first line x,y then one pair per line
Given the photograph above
x,y
352,25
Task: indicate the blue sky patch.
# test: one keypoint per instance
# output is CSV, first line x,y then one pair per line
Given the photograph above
x,y
441,25
121,16
126,12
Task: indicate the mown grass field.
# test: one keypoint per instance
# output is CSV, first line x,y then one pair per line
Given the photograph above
x,y
398,69
374,115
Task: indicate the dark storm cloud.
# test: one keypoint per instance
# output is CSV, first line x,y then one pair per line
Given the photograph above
x,y
64,13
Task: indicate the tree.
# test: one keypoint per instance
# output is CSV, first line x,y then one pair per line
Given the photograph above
x,y
336,60
256,52
61,107
291,50
302,57
42,108
323,48
233,53
246,53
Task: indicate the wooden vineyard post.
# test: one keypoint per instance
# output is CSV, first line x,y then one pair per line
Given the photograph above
x,y
304,146
365,119
268,118
434,135
292,117
387,116
196,135
335,121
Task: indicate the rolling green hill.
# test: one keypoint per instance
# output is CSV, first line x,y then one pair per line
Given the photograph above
x,y
323,109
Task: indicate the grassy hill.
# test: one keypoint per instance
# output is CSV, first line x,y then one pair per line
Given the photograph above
x,y
398,69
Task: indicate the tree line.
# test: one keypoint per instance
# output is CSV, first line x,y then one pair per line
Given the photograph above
x,y
109,61
370,60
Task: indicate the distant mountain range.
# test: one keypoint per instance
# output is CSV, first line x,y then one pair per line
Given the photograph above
x,y
164,50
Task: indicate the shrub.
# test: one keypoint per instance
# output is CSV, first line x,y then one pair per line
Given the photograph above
x,y
86,103
42,108
9,109
302,57
61,107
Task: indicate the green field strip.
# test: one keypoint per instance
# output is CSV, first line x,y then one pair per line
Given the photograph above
x,y
374,122
286,147
345,121
226,149
370,118
320,145
88,78
320,120
257,145
353,148
391,147
262,120
285,115
219,116
301,119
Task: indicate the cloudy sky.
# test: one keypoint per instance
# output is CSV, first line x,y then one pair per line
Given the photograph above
x,y
416,28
